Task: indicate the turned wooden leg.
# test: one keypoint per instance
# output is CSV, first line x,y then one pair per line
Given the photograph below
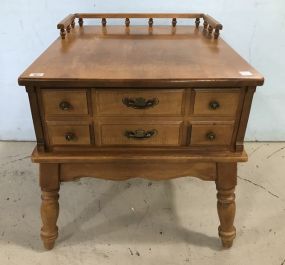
x,y
225,183
49,182
49,214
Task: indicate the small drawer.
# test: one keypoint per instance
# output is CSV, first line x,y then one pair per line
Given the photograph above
x,y
69,134
216,102
64,102
122,102
140,134
211,134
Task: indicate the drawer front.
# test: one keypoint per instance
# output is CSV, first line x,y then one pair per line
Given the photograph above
x,y
69,134
216,102
139,102
65,102
211,134
140,134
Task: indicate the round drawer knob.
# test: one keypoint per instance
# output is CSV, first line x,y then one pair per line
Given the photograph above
x,y
64,105
70,137
211,136
214,105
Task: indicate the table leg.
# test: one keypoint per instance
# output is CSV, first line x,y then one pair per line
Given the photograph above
x,y
49,214
49,182
225,183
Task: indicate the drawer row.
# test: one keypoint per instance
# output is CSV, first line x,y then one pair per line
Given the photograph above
x,y
141,134
136,102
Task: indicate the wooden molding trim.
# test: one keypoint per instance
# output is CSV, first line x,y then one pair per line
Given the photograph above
x,y
34,105
244,118
130,156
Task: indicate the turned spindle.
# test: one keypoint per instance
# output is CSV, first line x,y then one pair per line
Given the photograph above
x,y
197,22
226,211
73,24
205,24
150,22
62,33
80,22
210,30
127,22
104,22
174,22
50,185
49,214
225,184
217,33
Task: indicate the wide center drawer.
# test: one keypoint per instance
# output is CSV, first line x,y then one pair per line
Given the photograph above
x,y
126,102
141,134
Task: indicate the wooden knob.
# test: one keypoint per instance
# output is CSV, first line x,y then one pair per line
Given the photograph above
x,y
214,105
211,136
64,105
70,136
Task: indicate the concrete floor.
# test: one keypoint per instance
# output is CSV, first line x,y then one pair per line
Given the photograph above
x,y
144,222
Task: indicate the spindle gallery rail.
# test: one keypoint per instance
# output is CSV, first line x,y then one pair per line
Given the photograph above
x,y
210,24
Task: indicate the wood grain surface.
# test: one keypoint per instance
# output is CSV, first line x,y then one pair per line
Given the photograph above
x,y
115,57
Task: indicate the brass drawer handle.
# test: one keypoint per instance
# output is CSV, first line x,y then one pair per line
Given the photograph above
x,y
140,103
64,105
211,136
214,105
140,134
70,137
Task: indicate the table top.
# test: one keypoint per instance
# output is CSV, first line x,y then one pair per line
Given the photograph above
x,y
142,56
